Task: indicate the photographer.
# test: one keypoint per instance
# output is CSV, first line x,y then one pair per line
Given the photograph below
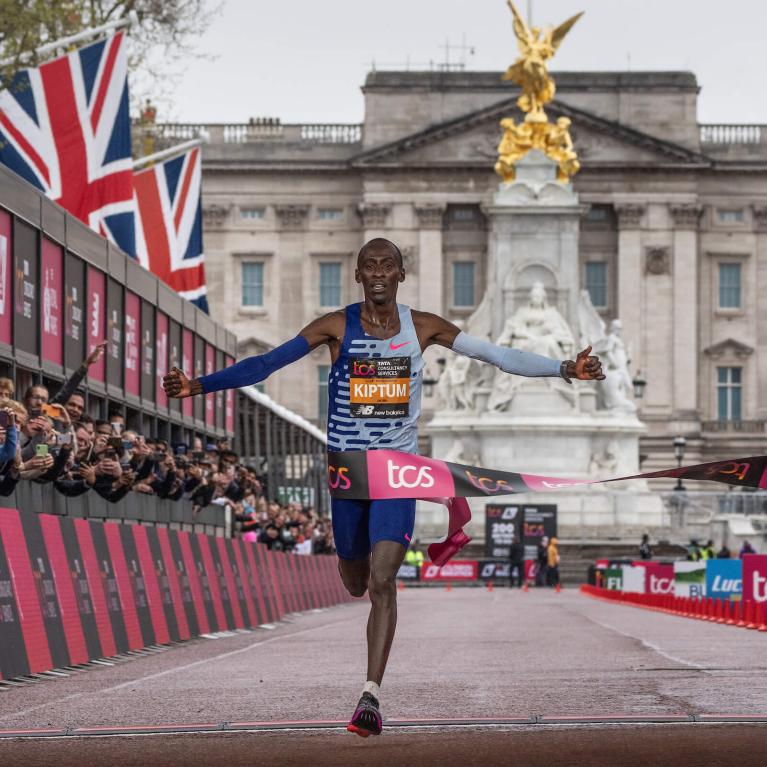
x,y
81,477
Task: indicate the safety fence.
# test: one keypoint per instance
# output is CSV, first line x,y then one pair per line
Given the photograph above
x,y
748,614
78,590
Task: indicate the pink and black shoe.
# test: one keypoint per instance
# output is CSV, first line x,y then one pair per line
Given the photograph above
x,y
367,718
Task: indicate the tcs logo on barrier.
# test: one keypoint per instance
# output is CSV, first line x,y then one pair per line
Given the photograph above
x,y
338,478
755,577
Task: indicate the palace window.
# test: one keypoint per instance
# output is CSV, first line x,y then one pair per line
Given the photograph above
x,y
323,371
330,214
596,283
463,283
729,286
330,283
729,393
731,216
253,213
253,283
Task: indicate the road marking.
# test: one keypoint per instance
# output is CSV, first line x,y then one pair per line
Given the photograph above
x,y
177,669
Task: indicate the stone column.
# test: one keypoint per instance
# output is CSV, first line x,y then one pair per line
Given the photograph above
x,y
431,277
374,217
760,227
630,278
685,312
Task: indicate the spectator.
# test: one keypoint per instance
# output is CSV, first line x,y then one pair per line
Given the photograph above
x,y
516,562
7,389
414,555
746,548
542,562
724,553
552,555
707,552
645,552
75,406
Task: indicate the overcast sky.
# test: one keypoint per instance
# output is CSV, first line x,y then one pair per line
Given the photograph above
x,y
305,60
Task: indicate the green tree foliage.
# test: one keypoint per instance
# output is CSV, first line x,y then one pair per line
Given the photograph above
x,y
165,35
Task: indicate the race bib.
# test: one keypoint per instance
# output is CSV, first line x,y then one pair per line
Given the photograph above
x,y
379,387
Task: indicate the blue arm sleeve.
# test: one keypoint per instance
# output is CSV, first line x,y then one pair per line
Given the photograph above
x,y
8,449
254,369
507,359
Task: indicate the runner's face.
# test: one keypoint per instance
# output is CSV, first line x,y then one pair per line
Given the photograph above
x,y
379,272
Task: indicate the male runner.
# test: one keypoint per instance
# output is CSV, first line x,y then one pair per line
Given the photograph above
x,y
374,393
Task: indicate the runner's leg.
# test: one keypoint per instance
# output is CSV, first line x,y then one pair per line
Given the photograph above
x,y
351,536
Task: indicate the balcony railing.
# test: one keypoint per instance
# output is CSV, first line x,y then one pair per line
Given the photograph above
x,y
723,134
735,427
257,130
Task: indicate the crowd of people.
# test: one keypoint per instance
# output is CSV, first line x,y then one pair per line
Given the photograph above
x,y
52,439
699,552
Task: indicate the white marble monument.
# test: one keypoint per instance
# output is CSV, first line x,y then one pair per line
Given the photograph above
x,y
544,425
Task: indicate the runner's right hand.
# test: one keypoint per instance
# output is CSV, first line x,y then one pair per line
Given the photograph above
x,y
176,384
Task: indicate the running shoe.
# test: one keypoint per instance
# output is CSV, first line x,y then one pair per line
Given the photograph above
x,y
367,718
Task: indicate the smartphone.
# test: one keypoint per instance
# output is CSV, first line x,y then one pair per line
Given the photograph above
x,y
127,445
180,448
35,412
115,443
157,456
3,419
64,439
41,450
198,455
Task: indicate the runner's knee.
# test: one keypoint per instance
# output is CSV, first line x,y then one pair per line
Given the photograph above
x,y
382,585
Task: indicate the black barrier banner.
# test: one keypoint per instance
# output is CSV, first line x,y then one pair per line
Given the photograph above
x,y
13,658
488,571
502,523
540,522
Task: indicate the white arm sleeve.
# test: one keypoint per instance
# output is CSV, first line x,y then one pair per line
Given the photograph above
x,y
507,359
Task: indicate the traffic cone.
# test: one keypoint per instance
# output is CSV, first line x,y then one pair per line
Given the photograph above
x,y
558,587
752,621
720,613
526,587
489,585
762,617
401,585
449,586
732,613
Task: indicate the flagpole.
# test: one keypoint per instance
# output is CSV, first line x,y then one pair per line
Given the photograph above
x,y
65,42
165,153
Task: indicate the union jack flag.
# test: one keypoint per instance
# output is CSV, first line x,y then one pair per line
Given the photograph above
x,y
65,128
169,224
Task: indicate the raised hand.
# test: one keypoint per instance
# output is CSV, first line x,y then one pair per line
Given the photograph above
x,y
96,353
176,384
585,367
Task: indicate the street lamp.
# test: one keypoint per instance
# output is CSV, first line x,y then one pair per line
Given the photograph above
x,y
639,383
679,444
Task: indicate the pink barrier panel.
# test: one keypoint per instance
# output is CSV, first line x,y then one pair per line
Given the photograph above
x,y
747,613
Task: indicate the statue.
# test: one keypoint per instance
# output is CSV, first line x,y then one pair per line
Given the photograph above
x,y
616,390
529,70
453,385
536,132
538,328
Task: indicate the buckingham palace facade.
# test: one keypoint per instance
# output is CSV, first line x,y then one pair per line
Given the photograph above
x,y
673,237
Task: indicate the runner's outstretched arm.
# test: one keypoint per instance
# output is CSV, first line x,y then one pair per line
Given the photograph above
x,y
254,369
437,330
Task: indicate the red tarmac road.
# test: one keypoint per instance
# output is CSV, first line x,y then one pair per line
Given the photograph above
x,y
462,655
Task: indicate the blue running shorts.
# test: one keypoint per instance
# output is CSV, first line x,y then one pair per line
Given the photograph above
x,y
359,525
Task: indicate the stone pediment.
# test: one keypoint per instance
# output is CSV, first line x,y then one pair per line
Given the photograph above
x,y
472,140
729,346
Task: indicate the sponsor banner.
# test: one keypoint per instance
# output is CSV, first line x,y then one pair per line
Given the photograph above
x,y
755,578
6,305
689,579
96,320
659,578
502,523
26,290
132,343
633,579
458,570
77,590
724,578
539,522
51,272
210,399
161,357
408,572
228,403
187,356
614,578
488,571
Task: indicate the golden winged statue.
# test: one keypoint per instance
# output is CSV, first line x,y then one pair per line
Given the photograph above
x,y
529,71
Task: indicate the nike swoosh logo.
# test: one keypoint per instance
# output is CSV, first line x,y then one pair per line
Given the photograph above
x,y
394,347
407,537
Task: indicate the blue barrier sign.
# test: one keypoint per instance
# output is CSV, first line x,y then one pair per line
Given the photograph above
x,y
724,578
